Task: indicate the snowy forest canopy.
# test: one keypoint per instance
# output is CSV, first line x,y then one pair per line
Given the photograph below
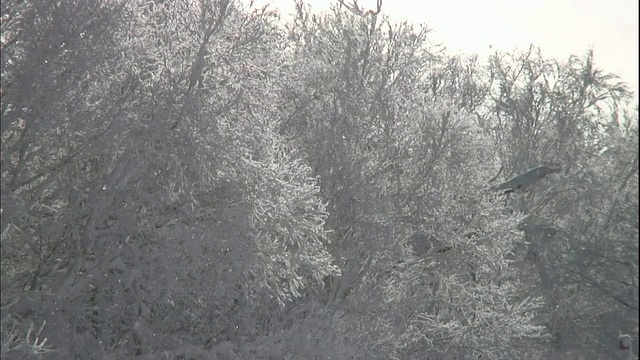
x,y
199,179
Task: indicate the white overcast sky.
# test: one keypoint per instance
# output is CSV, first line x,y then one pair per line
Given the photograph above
x,y
559,27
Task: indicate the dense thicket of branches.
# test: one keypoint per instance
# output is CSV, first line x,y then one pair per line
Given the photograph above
x,y
202,180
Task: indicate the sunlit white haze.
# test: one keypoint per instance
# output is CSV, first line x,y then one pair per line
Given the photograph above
x,y
219,179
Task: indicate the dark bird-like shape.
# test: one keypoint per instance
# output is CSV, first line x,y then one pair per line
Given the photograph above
x,y
525,180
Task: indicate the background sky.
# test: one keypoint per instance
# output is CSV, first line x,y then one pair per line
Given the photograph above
x,y
559,27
